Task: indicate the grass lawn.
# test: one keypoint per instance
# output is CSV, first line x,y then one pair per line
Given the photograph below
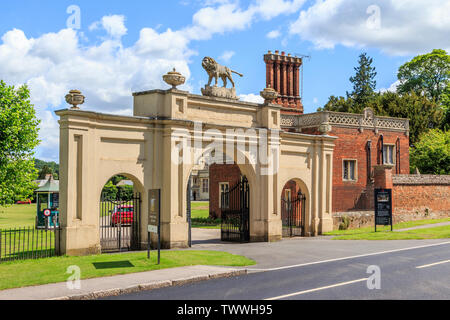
x,y
384,233
200,216
200,209
51,270
18,215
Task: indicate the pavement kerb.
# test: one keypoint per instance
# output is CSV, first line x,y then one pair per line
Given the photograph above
x,y
150,286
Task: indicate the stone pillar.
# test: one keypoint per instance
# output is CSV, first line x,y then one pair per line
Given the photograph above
x,y
79,205
174,227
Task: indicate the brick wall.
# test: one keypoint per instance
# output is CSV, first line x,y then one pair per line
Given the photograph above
x,y
421,196
415,197
220,173
352,145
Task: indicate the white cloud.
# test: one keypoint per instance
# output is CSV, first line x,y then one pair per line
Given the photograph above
x,y
273,34
397,27
227,55
108,72
226,17
392,88
229,16
269,9
114,25
251,97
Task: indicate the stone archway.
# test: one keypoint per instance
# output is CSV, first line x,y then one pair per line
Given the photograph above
x,y
294,208
95,146
120,214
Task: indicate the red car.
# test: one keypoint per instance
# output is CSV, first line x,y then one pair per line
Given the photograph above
x,y
24,202
122,214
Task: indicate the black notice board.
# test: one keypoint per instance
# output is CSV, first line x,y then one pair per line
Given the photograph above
x,y
154,219
383,207
154,198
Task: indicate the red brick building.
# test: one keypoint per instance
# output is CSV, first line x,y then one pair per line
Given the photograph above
x,y
365,140
358,150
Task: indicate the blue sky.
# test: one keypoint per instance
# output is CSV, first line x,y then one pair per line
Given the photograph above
x,y
126,46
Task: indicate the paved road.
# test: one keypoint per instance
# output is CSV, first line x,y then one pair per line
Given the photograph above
x,y
335,278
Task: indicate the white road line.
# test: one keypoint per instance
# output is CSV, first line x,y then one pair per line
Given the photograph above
x,y
432,264
316,289
350,257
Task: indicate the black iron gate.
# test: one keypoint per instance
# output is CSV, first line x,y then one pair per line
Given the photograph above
x,y
188,210
293,215
235,213
120,222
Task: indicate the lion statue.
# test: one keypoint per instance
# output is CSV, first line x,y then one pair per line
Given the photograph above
x,y
217,71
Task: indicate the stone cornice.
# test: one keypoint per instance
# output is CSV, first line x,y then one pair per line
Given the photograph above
x,y
341,119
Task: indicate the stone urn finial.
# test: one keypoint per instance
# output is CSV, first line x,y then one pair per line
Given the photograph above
x,y
174,78
269,94
75,98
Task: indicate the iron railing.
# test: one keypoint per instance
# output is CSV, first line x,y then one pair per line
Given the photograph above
x,y
120,223
235,211
30,242
293,216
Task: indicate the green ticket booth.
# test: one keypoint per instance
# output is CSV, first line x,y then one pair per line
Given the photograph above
x,y
47,201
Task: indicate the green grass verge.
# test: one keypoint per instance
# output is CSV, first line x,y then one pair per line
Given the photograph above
x,y
52,270
401,225
18,215
417,234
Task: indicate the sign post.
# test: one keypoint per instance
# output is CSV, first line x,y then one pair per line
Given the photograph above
x,y
383,207
154,219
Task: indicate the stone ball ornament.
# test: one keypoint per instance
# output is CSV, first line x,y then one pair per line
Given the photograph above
x,y
75,98
174,78
269,94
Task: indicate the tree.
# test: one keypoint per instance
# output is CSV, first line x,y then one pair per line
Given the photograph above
x,y
363,89
422,113
431,154
18,138
45,171
426,74
53,166
109,190
364,83
445,103
339,104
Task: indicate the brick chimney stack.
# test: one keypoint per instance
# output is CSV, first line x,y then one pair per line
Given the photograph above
x,y
283,75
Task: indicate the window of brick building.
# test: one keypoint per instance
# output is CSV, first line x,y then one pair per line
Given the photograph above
x,y
388,154
224,187
205,185
349,170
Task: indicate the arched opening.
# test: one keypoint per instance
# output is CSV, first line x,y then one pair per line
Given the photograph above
x,y
120,214
293,209
214,191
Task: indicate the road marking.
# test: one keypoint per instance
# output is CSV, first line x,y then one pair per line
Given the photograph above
x,y
433,264
350,257
317,289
